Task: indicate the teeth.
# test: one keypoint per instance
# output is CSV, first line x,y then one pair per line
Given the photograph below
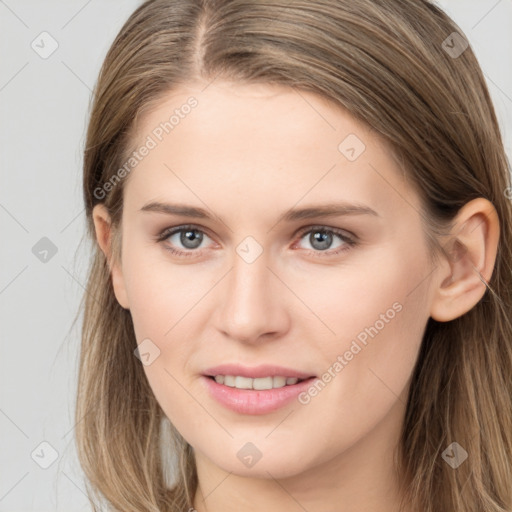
x,y
243,383
279,382
229,380
263,383
260,383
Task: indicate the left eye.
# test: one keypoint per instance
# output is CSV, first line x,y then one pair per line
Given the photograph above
x,y
321,239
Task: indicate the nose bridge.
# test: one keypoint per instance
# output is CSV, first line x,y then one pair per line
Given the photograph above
x,y
248,305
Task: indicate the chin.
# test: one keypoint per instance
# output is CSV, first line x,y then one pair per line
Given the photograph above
x,y
269,462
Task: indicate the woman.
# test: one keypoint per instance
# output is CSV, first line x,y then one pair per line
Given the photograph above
x,y
301,272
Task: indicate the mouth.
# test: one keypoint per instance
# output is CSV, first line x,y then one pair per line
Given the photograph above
x,y
255,390
258,383
255,396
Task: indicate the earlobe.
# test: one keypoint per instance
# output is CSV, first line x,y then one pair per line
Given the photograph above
x,y
104,237
471,255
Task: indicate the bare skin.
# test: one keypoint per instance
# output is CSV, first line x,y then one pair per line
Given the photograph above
x,y
247,155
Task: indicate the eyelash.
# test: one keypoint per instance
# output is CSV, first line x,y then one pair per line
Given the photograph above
x,y
348,241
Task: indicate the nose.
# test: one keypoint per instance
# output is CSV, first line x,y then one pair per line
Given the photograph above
x,y
252,306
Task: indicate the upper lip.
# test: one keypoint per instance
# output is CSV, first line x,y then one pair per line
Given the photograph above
x,y
264,370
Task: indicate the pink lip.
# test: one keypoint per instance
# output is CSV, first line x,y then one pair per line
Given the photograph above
x,y
255,372
247,401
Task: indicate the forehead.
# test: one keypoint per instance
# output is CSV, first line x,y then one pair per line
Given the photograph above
x,y
232,141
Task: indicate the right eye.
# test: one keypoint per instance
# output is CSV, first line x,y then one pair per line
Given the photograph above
x,y
189,236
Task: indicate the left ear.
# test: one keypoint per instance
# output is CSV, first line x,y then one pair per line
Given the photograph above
x,y
468,268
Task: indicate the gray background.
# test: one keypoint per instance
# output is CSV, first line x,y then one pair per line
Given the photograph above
x,y
44,104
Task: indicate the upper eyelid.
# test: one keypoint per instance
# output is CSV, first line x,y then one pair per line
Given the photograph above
x,y
320,227
167,232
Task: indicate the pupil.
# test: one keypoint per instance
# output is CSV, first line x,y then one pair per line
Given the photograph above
x,y
191,239
324,239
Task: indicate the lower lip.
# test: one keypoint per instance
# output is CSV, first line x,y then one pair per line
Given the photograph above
x,y
249,401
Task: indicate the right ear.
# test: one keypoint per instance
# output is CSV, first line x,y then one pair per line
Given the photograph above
x,y
103,228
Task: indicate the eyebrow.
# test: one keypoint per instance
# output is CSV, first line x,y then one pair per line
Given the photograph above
x,y
326,210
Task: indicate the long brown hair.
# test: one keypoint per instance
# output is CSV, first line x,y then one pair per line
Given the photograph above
x,y
391,64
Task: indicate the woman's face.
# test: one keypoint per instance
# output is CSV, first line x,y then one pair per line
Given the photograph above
x,y
262,280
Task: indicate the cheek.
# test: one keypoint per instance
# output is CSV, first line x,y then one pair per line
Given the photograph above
x,y
376,314
379,323
165,301
380,295
161,297
157,290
